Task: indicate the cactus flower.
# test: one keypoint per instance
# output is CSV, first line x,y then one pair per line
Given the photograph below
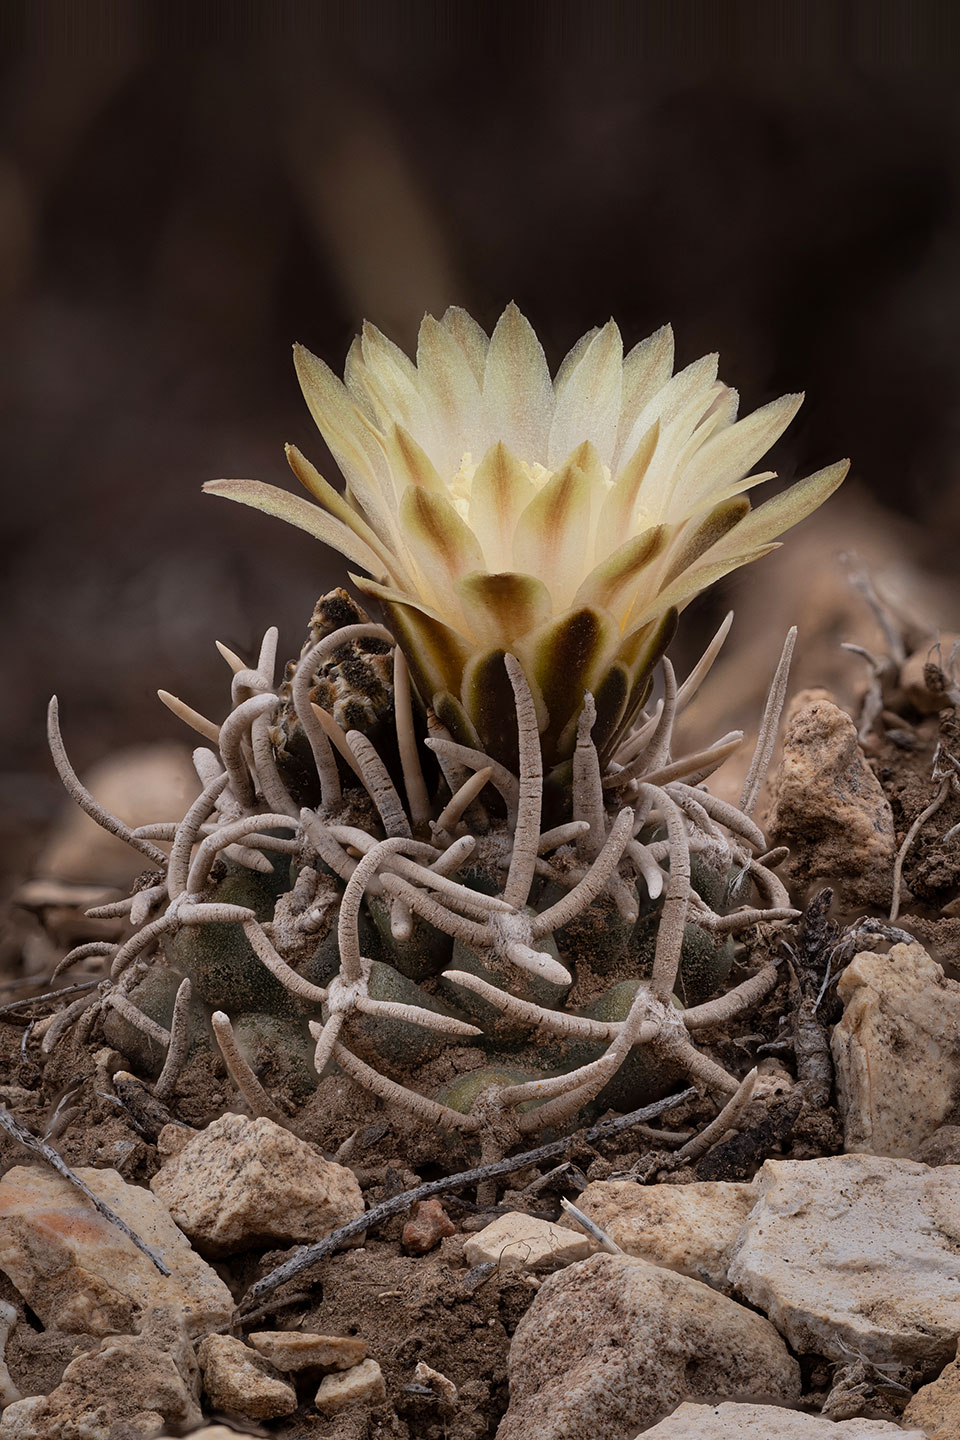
x,y
566,520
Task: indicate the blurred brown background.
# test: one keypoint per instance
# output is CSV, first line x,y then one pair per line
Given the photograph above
x,y
185,192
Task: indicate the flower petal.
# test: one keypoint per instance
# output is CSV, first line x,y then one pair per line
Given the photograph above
x,y
553,531
338,506
646,369
441,545
410,462
696,537
562,661
471,338
353,444
618,514
499,493
488,699
297,511
607,583
640,653
435,653
729,455
451,391
499,608
588,399
517,390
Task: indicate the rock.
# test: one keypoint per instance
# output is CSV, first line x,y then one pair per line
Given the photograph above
x,y
426,1227
209,1432
80,1274
241,1382
612,1344
132,1385
895,1052
363,1382
522,1242
856,1254
8,1391
688,1228
442,1387
829,807
942,1148
935,1408
243,1182
732,1421
301,1350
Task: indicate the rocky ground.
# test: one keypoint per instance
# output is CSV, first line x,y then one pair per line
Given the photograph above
x,y
794,1276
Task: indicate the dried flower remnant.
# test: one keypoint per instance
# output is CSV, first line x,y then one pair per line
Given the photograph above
x,y
562,520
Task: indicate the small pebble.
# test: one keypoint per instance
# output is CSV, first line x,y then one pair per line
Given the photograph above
x,y
426,1227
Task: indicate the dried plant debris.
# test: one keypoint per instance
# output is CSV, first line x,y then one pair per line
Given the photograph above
x,y
354,882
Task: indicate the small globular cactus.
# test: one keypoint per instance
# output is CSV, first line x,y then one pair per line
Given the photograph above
x,y
469,832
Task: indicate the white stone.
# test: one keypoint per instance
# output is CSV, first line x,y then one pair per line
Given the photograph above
x,y
522,1242
241,1382
731,1421
133,1385
302,1350
856,1254
363,1382
688,1228
81,1274
243,1182
612,1344
895,1051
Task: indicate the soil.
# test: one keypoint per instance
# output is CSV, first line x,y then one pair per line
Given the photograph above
x,y
433,1308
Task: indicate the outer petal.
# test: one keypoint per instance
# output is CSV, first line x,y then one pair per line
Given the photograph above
x,y
499,493
335,503
686,387
442,547
410,462
618,515
517,390
698,536
608,583
434,651
451,392
353,444
552,535
564,660
299,512
646,369
781,512
729,455
640,653
500,608
488,699
588,400
469,336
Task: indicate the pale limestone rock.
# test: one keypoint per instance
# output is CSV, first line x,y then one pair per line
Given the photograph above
x,y
828,805
941,1148
243,1182
895,1050
8,1391
301,1350
856,1254
363,1382
731,1421
443,1387
613,1343
522,1242
936,1407
241,1382
80,1274
131,1384
688,1228
209,1432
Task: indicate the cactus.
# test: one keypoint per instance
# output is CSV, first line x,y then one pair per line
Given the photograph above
x,y
331,901
471,825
